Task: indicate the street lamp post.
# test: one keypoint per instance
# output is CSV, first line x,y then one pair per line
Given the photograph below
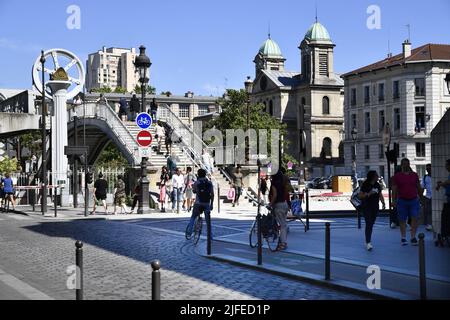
x,y
143,64
44,138
249,89
354,134
387,144
75,162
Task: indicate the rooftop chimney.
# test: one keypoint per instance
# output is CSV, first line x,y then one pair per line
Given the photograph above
x,y
406,49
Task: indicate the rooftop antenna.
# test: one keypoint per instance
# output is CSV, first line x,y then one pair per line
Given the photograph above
x,y
389,44
409,32
269,30
316,11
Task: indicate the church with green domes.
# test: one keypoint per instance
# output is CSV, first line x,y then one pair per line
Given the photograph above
x,y
309,101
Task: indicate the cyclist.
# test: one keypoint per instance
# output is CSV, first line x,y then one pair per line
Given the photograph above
x,y
204,200
279,205
8,189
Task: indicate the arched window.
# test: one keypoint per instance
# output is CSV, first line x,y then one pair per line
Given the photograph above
x,y
271,107
326,147
326,105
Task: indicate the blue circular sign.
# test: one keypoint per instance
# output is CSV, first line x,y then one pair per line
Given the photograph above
x,y
144,120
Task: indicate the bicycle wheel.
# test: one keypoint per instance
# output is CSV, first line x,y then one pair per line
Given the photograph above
x,y
272,242
253,236
198,229
188,234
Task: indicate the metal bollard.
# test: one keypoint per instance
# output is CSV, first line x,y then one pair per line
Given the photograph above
x,y
307,208
156,280
327,251
358,215
218,198
55,201
422,274
79,264
259,239
33,199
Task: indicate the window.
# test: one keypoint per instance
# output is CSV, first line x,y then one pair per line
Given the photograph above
x,y
421,170
420,119
271,107
323,64
366,152
184,112
203,110
420,149
367,122
381,92
381,120
367,94
326,147
396,90
326,105
381,151
353,97
420,87
354,125
396,119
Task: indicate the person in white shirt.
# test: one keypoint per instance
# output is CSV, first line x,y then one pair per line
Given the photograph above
x,y
427,186
177,189
160,133
208,162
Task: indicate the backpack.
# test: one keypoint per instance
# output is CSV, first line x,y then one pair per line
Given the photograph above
x,y
268,225
204,189
296,207
354,199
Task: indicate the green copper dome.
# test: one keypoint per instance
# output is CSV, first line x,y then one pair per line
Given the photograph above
x,y
317,32
270,49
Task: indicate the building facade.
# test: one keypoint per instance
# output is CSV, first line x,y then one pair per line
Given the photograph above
x,y
310,102
406,91
112,67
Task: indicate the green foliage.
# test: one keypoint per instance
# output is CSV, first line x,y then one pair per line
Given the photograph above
x,y
149,90
111,158
8,165
102,90
31,141
120,90
166,93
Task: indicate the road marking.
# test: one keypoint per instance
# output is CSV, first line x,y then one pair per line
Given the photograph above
x,y
23,288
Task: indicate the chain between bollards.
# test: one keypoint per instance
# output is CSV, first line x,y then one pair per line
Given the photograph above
x,y
156,280
307,208
327,251
258,225
422,274
79,269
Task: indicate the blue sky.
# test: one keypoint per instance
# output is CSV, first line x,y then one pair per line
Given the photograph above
x,y
205,45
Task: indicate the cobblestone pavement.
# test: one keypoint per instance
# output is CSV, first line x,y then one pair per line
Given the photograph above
x,y
117,260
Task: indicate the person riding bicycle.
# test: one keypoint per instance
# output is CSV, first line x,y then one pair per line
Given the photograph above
x,y
204,200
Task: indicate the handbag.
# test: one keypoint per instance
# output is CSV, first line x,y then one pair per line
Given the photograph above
x,y
354,199
231,194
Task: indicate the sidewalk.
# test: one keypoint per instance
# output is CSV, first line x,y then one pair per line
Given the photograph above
x,y
349,259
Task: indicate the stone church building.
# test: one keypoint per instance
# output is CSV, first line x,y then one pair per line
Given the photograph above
x,y
310,102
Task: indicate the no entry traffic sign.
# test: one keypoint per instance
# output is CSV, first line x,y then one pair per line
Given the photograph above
x,y
144,138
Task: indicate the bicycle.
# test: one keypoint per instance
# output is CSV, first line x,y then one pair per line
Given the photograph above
x,y
270,231
197,230
143,122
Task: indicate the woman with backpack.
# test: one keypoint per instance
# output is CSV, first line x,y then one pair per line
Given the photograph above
x,y
370,195
8,190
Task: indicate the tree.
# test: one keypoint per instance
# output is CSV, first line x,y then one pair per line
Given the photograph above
x,y
166,93
111,157
149,90
234,116
102,90
120,90
8,165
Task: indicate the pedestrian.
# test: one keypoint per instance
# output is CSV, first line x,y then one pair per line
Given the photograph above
x,y
279,206
160,133
100,101
445,184
135,107
264,189
123,109
238,185
7,185
33,163
189,181
177,188
163,188
100,192
168,140
427,186
120,195
208,162
171,165
136,196
153,109
406,189
204,201
370,196
77,101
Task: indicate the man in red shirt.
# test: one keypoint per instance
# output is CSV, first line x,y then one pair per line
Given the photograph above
x,y
406,193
